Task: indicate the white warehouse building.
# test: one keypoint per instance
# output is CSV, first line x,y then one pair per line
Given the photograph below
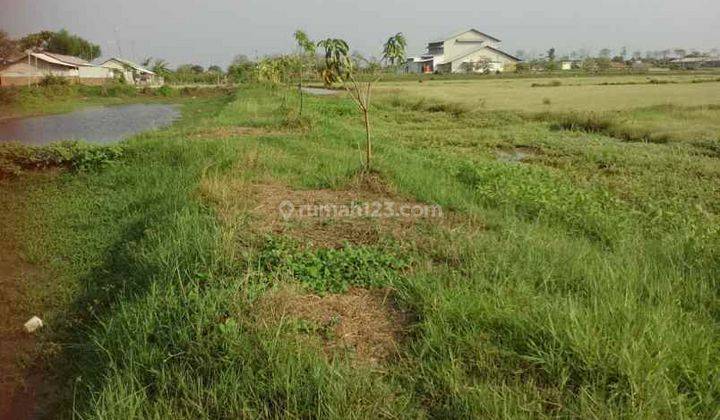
x,y
464,52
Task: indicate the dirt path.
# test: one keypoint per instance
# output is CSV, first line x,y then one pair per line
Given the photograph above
x,y
18,384
321,91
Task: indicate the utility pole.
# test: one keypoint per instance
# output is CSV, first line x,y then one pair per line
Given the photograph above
x,y
117,41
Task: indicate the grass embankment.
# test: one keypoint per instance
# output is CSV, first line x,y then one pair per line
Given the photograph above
x,y
573,275
17,102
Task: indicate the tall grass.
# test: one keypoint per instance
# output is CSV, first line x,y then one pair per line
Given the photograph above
x,y
581,283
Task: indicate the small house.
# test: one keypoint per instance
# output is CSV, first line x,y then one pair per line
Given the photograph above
x,y
132,73
32,67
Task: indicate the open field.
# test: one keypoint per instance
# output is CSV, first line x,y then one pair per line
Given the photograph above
x,y
576,94
573,273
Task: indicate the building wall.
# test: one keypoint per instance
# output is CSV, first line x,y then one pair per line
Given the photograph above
x,y
496,61
466,42
37,68
6,81
87,72
142,79
418,67
94,81
23,73
119,68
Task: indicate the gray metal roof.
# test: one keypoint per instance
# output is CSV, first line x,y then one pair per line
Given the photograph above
x,y
462,32
75,61
128,63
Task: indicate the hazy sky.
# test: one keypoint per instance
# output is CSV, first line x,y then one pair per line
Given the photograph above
x,y
213,31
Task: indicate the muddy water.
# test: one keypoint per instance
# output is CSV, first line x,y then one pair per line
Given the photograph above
x,y
96,125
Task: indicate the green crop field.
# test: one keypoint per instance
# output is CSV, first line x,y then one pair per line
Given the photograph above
x,y
573,273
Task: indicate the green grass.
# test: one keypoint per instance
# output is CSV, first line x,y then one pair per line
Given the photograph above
x,y
588,290
698,125
573,94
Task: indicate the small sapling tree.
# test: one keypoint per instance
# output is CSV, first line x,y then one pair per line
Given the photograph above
x,y
307,48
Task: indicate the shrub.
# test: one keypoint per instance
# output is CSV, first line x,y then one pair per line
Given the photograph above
x,y
554,83
9,95
588,121
118,89
165,90
51,80
456,110
78,156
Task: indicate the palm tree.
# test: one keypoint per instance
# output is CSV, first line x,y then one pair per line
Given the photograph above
x,y
307,48
336,59
394,49
160,67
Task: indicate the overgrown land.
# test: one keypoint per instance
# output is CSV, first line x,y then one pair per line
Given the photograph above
x,y
574,271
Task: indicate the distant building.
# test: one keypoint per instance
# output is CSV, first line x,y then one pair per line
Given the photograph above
x,y
569,65
696,62
469,51
31,67
133,73
638,65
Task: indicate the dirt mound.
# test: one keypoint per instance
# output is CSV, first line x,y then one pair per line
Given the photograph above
x,y
364,322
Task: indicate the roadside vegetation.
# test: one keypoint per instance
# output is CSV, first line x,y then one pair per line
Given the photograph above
x,y
572,273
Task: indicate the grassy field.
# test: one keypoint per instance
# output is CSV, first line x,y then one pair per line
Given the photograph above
x,y
573,273
571,94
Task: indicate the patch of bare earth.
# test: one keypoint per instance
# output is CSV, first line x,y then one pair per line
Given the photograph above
x,y
362,323
363,212
18,383
365,324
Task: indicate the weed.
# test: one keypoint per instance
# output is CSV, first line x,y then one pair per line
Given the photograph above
x,y
15,157
554,83
332,270
165,91
456,110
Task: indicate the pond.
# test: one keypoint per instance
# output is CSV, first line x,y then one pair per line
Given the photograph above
x,y
96,125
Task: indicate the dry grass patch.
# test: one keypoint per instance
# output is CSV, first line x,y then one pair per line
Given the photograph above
x,y
365,323
358,214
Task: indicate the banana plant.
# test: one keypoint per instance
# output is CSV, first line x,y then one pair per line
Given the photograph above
x,y
394,49
337,63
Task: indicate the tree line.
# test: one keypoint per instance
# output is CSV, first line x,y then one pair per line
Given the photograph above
x,y
59,42
605,58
